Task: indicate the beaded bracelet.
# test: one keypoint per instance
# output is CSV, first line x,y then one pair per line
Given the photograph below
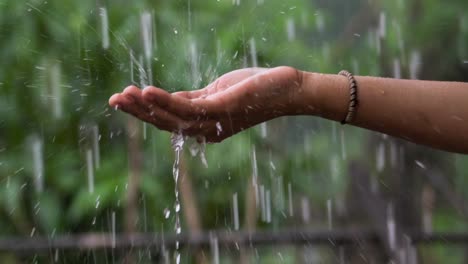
x,y
353,101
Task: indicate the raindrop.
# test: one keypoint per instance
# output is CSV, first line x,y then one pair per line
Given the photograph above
x,y
268,206
214,249
305,210
113,229
235,209
329,214
194,64
54,75
396,69
290,201
264,129
415,64
262,203
382,25
291,29
219,128
355,66
167,213
319,22
97,157
90,170
420,164
391,232
343,145
38,163
132,59
380,157
98,201
255,176
104,27
147,34
253,52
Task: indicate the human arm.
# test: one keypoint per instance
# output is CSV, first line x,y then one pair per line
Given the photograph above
x,y
425,112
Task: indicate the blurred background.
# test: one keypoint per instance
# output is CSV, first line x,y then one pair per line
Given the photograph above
x,y
83,183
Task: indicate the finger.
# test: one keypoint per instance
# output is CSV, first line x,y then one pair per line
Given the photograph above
x,y
165,120
154,116
131,91
114,100
118,100
135,94
131,103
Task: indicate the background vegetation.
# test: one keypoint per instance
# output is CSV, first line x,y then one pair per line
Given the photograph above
x,y
56,74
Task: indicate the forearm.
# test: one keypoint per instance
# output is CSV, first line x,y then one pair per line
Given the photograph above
x,y
425,112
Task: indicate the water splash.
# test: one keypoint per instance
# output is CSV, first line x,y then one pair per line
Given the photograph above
x,y
198,148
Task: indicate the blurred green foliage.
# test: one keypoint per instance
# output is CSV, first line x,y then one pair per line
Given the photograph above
x,y
47,45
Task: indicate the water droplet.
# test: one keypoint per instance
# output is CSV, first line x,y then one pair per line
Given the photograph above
x,y
219,128
167,213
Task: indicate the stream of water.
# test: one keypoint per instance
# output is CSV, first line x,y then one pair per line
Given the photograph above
x,y
177,141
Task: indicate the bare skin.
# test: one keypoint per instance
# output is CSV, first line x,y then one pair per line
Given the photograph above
x,y
425,112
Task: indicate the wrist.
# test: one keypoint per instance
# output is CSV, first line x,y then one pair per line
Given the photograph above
x,y
324,95
305,95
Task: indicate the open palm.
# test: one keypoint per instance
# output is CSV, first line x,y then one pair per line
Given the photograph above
x,y
233,102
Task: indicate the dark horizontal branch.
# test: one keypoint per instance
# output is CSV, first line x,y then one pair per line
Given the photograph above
x,y
95,241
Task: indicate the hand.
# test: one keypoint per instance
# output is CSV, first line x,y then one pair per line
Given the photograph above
x,y
235,101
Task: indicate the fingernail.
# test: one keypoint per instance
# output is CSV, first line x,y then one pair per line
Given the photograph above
x,y
116,107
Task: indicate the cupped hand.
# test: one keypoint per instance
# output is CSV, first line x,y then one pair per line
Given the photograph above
x,y
235,101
